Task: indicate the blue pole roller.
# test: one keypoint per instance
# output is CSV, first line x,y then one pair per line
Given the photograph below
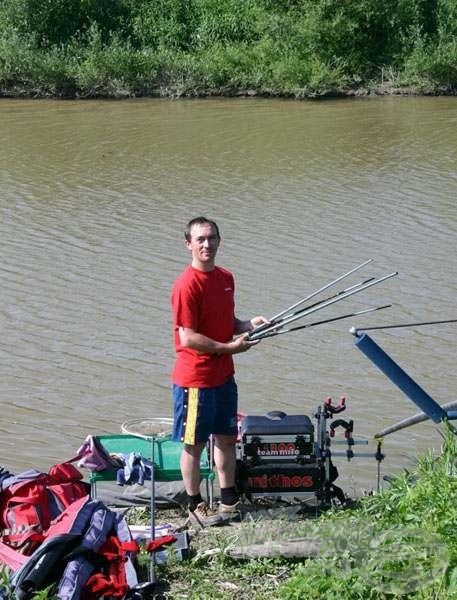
x,y
401,379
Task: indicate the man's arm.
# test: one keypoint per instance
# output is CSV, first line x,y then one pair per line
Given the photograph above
x,y
192,339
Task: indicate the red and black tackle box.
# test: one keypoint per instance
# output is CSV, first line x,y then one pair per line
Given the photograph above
x,y
277,437
276,455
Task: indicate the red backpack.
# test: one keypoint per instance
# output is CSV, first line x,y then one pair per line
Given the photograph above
x,y
86,552
28,505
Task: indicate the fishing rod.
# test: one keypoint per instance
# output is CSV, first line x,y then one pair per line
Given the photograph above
x,y
348,289
355,331
314,323
413,420
262,328
276,318
256,335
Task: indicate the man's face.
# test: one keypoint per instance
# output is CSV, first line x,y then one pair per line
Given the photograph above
x,y
203,244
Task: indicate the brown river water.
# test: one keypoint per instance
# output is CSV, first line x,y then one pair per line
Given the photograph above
x,y
94,197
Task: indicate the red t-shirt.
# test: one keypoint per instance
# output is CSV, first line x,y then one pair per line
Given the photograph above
x,y
203,301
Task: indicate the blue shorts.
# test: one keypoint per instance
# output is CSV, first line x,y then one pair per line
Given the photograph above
x,y
199,412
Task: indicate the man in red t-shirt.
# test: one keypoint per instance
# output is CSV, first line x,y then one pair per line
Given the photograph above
x,y
204,389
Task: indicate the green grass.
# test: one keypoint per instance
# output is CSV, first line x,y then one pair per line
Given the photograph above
x,y
402,541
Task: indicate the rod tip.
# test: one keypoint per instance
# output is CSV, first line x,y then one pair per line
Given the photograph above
x,y
354,331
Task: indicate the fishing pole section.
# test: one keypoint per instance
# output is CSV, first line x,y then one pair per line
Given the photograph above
x,y
412,420
430,409
300,309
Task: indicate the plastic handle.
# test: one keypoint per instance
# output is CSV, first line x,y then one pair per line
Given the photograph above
x,y
276,415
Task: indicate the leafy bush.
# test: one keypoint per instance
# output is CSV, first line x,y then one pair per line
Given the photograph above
x,y
164,23
116,69
57,21
434,67
228,21
365,34
298,47
16,59
446,17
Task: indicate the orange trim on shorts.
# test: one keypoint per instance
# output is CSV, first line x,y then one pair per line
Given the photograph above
x,y
191,418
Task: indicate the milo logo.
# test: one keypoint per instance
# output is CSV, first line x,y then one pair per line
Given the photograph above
x,y
278,449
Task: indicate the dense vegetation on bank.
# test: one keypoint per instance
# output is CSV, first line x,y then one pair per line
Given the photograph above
x,y
297,48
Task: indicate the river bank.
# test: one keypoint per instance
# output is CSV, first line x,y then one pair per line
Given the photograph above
x,y
374,91
173,91
67,84
170,48
400,542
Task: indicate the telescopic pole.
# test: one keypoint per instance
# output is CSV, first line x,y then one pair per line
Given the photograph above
x,y
322,289
413,420
305,312
323,322
275,319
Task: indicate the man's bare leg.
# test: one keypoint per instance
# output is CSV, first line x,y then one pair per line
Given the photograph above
x,y
225,459
200,513
190,468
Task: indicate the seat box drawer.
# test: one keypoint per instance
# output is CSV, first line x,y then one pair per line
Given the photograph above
x,y
285,478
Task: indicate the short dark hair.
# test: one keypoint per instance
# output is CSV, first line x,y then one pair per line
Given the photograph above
x,y
200,221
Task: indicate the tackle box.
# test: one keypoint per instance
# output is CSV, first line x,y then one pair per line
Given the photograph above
x,y
276,437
